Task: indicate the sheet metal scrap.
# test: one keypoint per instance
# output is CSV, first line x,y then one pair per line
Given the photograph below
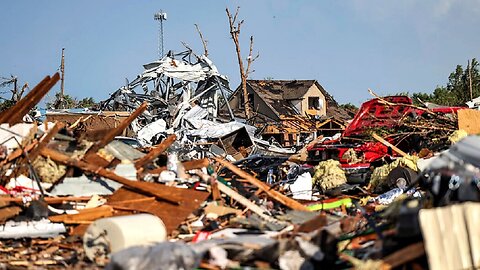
x,y
169,85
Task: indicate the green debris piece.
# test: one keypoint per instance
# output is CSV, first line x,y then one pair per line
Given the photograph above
x,y
330,205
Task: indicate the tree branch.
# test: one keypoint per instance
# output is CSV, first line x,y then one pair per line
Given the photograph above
x,y
204,42
251,59
235,31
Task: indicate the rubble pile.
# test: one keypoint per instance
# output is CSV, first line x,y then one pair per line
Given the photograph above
x,y
197,191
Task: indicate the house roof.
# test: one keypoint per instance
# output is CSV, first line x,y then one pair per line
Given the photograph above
x,y
278,93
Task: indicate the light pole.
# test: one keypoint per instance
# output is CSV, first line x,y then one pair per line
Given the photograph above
x,y
160,17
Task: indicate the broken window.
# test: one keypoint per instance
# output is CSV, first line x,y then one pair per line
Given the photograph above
x,y
314,103
242,100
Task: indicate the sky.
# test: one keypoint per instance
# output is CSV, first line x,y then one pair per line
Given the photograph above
x,y
348,46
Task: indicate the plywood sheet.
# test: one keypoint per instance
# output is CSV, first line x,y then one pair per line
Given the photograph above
x,y
172,215
469,120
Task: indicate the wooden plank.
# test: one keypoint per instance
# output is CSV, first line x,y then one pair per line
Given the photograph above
x,y
9,212
45,140
245,202
31,101
171,215
48,200
386,143
155,152
84,215
263,186
469,120
187,165
405,255
7,115
136,185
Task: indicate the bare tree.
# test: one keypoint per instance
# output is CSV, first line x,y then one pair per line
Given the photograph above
x,y
235,33
16,93
204,42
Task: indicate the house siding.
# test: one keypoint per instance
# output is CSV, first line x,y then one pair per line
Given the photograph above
x,y
313,91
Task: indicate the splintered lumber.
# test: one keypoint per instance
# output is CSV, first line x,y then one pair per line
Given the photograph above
x,y
171,215
18,153
8,212
155,152
136,185
30,101
48,200
42,144
386,143
405,255
84,215
7,115
148,199
245,202
187,165
117,131
45,140
263,186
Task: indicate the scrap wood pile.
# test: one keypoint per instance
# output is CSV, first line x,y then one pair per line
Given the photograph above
x,y
69,202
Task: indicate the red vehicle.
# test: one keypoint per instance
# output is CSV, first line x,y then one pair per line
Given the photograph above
x,y
388,112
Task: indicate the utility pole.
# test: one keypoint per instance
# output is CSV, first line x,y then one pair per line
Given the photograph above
x,y
160,17
470,79
62,70
15,90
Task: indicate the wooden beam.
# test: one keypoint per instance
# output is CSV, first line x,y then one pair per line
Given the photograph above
x,y
404,255
386,143
245,202
135,185
30,101
7,115
45,140
155,152
263,186
48,200
187,165
116,131
84,215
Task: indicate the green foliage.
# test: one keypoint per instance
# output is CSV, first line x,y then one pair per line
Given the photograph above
x,y
5,104
69,102
457,90
349,107
86,103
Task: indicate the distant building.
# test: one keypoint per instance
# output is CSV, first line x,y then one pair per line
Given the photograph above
x,y
288,109
273,98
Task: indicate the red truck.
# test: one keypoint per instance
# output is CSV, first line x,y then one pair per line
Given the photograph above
x,y
388,113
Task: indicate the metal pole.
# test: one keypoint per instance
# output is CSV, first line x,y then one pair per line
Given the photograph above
x,y
62,70
161,36
470,79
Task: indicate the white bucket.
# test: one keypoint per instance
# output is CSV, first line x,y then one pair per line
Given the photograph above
x,y
108,235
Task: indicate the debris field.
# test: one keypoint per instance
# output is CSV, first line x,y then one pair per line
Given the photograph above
x,y
168,173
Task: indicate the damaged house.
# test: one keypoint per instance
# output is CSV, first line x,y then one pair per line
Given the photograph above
x,y
289,110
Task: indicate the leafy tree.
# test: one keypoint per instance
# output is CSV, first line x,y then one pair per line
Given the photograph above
x,y
349,107
86,103
457,90
420,97
69,102
5,104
